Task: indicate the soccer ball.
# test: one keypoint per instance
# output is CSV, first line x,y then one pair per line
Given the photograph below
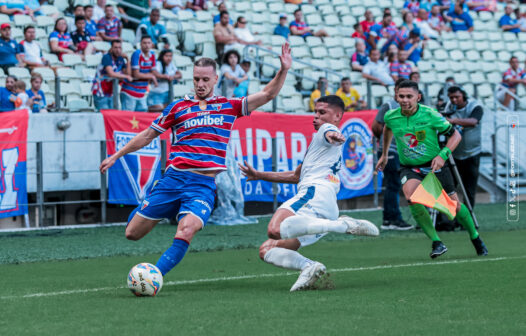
x,y
145,279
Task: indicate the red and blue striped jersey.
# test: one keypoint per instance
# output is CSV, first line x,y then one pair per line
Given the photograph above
x,y
110,27
201,133
512,74
144,64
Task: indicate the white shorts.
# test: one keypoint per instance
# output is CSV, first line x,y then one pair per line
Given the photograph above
x,y
313,201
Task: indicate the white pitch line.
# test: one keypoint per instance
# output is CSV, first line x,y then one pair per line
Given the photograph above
x,y
266,275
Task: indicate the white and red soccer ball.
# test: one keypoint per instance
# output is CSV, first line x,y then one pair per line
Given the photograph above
x,y
145,279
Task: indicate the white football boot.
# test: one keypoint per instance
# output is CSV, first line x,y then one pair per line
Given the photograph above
x,y
360,227
309,276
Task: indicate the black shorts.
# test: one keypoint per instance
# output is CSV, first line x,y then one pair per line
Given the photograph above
x,y
444,176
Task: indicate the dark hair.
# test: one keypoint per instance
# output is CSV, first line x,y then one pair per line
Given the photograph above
x,y
11,76
399,81
297,10
409,84
155,10
238,21
205,62
160,59
77,6
456,88
386,15
345,79
450,78
413,73
356,25
230,52
79,18
28,27
406,14
115,41
513,57
246,62
88,6
222,13
56,22
332,100
145,37
108,6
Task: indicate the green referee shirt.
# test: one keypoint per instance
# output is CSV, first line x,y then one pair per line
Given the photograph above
x,y
417,136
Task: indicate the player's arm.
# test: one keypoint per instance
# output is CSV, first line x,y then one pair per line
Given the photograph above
x,y
272,89
335,138
278,177
453,140
388,136
139,141
472,121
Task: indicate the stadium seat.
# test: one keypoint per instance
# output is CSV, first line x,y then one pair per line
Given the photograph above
x,y
21,73
296,41
101,45
485,91
477,78
67,73
22,20
450,44
313,41
489,55
455,55
44,21
128,35
276,7
466,45
440,55
319,52
46,73
4,18
78,105
71,60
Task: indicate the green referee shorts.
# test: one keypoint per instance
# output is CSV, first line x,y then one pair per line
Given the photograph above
x,y
444,176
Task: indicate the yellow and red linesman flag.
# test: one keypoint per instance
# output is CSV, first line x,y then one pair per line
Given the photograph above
x,y
431,194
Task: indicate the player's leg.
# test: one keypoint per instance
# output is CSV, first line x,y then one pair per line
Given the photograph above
x,y
139,226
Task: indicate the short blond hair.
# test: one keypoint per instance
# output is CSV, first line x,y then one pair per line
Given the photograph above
x,y
20,85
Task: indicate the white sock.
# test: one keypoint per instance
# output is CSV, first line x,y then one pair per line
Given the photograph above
x,y
297,226
286,258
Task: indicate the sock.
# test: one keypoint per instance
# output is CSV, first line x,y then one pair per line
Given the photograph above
x,y
423,220
134,211
297,226
465,219
286,258
172,256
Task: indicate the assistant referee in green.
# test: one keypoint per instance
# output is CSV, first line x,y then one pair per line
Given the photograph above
x,y
416,128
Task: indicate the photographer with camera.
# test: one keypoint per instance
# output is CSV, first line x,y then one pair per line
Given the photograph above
x,y
465,114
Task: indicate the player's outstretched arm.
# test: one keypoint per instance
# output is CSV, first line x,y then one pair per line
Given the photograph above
x,y
271,90
334,138
382,161
139,141
278,177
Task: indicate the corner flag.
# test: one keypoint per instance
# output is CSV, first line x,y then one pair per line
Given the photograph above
x,y
431,194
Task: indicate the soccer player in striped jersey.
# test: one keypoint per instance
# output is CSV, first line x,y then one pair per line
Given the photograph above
x,y
201,126
313,212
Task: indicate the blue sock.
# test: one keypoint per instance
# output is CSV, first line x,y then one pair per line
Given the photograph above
x,y
172,256
134,211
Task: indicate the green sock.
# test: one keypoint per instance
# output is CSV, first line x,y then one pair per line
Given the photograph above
x,y
423,220
465,219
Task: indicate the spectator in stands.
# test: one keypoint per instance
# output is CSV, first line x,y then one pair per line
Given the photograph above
x,y
350,96
35,6
114,64
459,19
39,98
298,27
401,68
425,27
465,113
8,95
244,34
282,28
109,27
60,41
359,58
232,74
436,21
384,29
11,52
91,25
507,23
77,11
377,70
98,10
358,32
521,19
174,5
221,8
150,26
321,86
197,5
415,46
442,98
81,39
136,12
408,23
22,102
510,80
368,22
415,77
158,98
32,53
482,5
15,7
411,6
224,35
392,49
133,94
391,59
297,2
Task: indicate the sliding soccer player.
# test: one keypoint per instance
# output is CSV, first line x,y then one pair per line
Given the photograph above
x,y
416,128
313,212
201,125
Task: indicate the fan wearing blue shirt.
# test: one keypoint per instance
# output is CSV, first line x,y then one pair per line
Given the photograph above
x,y
10,50
507,23
8,95
283,28
151,27
39,98
459,19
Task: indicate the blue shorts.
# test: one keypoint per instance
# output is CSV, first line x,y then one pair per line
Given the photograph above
x,y
179,193
155,98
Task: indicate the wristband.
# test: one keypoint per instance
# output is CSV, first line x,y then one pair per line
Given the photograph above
x,y
445,153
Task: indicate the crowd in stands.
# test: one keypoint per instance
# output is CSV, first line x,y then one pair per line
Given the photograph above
x,y
384,51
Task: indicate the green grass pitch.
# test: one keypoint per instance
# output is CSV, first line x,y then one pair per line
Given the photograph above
x,y
73,282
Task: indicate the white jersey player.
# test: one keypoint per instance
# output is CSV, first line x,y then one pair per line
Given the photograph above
x,y
313,212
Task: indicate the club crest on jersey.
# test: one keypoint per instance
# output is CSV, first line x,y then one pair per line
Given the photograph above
x,y
420,135
357,155
139,167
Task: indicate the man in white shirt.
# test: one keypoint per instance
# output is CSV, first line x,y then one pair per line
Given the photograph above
x,y
377,70
423,23
32,52
98,10
313,212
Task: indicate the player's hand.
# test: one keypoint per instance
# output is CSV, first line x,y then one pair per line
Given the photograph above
x,y
334,138
248,171
286,57
382,162
106,164
437,163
